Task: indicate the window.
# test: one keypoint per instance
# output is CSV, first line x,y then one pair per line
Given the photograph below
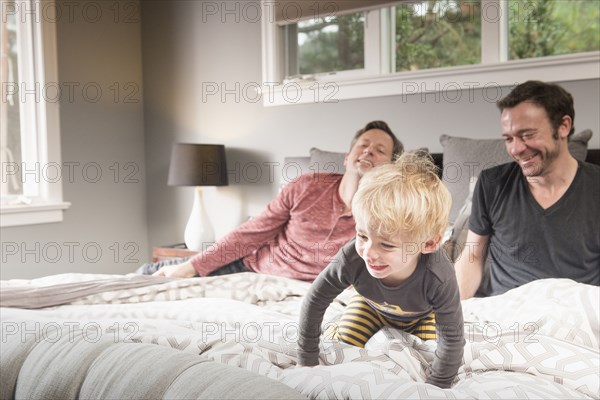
x,y
545,28
30,189
327,51
436,34
328,44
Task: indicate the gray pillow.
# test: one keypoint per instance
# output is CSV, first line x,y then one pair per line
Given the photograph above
x,y
327,161
578,144
458,240
456,243
293,167
465,158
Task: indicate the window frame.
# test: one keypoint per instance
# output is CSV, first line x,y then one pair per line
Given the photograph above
x,y
375,80
49,205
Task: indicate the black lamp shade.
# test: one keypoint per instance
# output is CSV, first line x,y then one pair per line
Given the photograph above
x,y
198,165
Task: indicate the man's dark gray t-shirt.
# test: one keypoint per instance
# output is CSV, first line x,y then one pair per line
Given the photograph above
x,y
528,242
431,287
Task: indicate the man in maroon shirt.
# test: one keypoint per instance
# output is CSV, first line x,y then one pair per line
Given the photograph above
x,y
304,226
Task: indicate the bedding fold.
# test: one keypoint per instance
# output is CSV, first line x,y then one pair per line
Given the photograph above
x,y
33,297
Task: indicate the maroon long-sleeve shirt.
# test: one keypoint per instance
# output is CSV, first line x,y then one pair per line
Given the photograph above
x,y
296,235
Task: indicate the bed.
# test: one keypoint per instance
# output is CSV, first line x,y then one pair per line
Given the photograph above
x,y
234,337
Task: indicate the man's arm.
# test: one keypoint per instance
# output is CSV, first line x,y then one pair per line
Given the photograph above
x,y
469,265
238,243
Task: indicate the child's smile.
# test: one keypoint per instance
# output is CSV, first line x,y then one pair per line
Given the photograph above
x,y
390,260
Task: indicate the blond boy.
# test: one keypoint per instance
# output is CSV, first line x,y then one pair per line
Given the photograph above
x,y
402,278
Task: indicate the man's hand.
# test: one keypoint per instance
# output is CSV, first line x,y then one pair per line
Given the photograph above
x,y
183,270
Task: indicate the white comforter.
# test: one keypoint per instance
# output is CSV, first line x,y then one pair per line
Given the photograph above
x,y
538,341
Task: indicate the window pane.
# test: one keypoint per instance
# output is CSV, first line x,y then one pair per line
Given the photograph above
x,y
10,129
433,34
331,44
540,28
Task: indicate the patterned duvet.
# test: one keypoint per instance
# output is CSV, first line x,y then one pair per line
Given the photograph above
x,y
538,341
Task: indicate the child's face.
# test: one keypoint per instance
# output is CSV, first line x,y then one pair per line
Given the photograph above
x,y
392,260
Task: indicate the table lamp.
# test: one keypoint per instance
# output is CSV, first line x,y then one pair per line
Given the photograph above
x,y
198,165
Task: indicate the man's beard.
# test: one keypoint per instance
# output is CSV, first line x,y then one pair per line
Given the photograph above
x,y
546,158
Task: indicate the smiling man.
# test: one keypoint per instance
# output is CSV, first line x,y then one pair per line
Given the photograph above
x,y
538,217
303,227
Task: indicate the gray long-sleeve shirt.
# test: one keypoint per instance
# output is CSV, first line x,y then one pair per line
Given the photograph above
x,y
431,287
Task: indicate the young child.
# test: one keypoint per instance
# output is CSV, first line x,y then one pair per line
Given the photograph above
x,y
402,278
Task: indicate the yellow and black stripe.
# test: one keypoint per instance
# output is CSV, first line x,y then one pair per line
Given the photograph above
x,y
360,322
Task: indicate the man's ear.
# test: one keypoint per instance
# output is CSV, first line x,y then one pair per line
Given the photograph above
x,y
346,160
431,245
565,127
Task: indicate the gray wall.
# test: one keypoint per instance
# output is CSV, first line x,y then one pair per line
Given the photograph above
x,y
178,48
105,230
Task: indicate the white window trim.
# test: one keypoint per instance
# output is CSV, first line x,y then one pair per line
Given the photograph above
x,y
494,71
51,206
18,215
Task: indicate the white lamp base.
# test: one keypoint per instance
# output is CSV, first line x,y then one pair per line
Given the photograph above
x,y
198,231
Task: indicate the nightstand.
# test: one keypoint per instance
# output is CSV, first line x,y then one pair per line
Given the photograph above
x,y
171,251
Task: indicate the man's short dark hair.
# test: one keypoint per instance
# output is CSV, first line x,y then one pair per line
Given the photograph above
x,y
555,100
398,147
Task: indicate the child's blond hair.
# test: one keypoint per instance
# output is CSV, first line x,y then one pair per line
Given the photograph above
x,y
406,197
